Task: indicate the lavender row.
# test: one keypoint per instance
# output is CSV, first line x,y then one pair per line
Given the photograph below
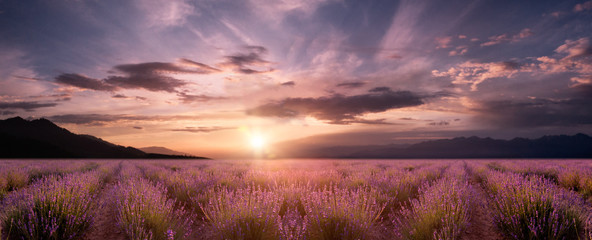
x,y
53,208
19,174
441,212
534,207
145,212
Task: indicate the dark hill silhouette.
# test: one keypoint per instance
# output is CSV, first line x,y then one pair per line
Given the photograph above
x,y
162,150
41,138
561,146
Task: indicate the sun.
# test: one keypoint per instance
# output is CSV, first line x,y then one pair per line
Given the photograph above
x,y
257,142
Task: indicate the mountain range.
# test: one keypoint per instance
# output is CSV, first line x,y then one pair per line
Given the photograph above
x,y
41,138
557,146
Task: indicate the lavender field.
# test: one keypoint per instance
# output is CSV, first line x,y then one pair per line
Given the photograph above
x,y
296,199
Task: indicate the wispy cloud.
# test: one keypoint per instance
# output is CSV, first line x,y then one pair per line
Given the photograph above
x,y
443,42
190,98
494,40
202,129
102,119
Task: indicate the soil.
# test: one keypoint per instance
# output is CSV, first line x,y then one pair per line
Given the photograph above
x,y
481,226
105,224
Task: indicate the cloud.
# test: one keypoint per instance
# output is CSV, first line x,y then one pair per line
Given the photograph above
x,y
84,82
6,113
121,96
338,109
151,68
380,89
202,67
443,42
151,76
583,6
577,48
440,123
161,14
149,82
202,129
246,63
288,84
573,57
494,40
27,106
474,73
189,98
460,50
56,97
351,85
102,119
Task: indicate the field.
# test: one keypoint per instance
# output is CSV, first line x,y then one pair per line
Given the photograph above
x,y
296,199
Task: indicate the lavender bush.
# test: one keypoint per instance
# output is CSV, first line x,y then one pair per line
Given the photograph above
x,y
336,213
145,212
534,207
53,208
247,213
441,211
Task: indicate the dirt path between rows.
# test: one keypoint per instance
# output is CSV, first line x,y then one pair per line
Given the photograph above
x,y
481,226
105,224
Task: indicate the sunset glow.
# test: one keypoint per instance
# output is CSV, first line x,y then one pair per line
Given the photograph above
x,y
257,142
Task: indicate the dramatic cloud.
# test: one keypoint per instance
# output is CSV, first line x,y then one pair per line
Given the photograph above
x,y
351,85
247,62
152,76
27,106
84,82
338,109
202,129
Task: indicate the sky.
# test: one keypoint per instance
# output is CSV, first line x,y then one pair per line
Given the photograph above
x,y
227,79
